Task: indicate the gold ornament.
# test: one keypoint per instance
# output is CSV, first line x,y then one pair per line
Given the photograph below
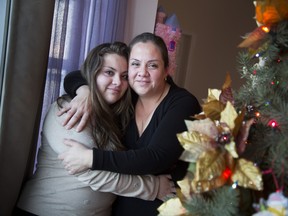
x,y
247,175
209,168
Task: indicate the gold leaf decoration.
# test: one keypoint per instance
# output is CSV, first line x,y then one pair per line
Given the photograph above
x,y
207,185
209,168
229,115
213,109
206,127
172,207
227,82
194,144
185,186
247,175
231,148
213,94
210,164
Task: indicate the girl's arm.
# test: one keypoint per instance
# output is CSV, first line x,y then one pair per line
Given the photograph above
x,y
145,187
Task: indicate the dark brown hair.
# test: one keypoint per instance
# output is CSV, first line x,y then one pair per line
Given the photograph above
x,y
156,40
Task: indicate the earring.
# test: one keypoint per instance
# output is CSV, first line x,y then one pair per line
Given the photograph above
x,y
165,78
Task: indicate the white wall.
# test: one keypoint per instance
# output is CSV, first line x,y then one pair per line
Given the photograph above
x,y
140,18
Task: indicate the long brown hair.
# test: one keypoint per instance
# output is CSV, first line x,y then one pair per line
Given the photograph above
x,y
107,122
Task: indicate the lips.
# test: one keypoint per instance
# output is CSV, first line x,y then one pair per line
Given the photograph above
x,y
143,81
114,90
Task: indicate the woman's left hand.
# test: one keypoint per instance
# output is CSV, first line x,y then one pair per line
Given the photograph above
x,y
77,158
78,110
167,188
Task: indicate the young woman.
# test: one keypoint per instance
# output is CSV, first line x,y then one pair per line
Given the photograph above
x,y
160,110
52,190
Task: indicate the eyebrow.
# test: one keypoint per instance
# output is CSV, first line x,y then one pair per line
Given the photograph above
x,y
126,71
112,68
152,60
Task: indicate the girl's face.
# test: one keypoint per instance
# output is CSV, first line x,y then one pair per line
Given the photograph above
x,y
112,79
146,69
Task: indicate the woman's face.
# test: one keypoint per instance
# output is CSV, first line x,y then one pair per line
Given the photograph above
x,y
146,69
112,78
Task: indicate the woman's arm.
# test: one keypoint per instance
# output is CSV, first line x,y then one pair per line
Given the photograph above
x,y
72,82
79,109
163,149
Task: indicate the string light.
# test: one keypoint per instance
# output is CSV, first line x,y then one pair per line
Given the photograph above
x,y
272,123
234,185
265,29
226,173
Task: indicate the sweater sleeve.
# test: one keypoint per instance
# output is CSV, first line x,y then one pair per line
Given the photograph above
x,y
163,149
73,81
144,187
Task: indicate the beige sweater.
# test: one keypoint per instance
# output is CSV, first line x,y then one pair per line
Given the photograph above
x,y
52,191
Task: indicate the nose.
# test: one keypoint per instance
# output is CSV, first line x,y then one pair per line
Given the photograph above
x,y
117,80
142,71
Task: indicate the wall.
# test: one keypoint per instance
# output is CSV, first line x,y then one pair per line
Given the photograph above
x,y
215,29
140,18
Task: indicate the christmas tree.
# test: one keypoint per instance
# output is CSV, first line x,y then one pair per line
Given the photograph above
x,y
238,146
